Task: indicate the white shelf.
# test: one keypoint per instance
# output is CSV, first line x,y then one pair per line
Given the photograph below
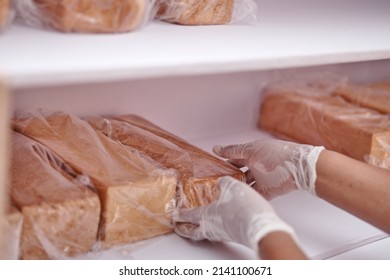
x,y
289,34
378,250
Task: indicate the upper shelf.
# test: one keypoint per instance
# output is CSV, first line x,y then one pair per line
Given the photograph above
x,y
289,34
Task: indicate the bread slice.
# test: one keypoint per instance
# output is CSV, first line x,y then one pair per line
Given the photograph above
x,y
12,228
374,96
91,15
330,121
4,12
198,170
137,195
196,12
61,215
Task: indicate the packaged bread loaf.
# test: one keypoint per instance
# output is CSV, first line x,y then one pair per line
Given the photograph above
x,y
12,228
374,96
61,213
195,12
197,169
330,121
95,16
206,12
137,195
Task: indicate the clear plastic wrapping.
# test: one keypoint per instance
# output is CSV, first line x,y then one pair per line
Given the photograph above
x,y
90,16
198,170
60,209
374,96
137,194
313,114
206,12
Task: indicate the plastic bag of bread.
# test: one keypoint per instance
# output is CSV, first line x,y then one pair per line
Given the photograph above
x,y
60,208
6,13
198,170
89,16
137,194
311,114
206,12
375,96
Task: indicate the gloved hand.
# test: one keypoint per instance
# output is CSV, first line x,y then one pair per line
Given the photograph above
x,y
275,167
240,215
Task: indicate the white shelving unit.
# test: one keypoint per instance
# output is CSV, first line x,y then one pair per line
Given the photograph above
x,y
289,34
203,83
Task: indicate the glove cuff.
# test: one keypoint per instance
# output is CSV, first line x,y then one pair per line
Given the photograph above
x,y
311,168
265,223
303,167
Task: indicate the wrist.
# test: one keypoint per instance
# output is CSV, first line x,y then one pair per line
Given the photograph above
x,y
263,224
280,246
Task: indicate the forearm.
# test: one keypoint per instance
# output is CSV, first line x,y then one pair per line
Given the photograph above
x,y
280,246
356,187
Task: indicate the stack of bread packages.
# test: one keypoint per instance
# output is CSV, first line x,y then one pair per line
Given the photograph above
x,y
86,16
114,16
79,190
198,171
6,13
205,12
85,185
352,119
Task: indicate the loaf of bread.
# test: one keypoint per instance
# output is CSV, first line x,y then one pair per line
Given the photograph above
x,y
197,169
195,12
94,16
12,229
4,12
61,215
374,96
137,195
330,121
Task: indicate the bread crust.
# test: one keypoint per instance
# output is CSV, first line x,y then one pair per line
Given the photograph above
x,y
196,12
197,169
61,215
374,96
135,193
92,16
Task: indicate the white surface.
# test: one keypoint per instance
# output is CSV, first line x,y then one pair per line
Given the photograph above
x,y
379,250
289,34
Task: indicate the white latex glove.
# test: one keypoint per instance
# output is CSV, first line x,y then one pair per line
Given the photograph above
x,y
275,167
240,215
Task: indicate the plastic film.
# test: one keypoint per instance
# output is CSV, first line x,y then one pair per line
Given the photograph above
x,y
198,170
137,195
374,96
326,120
86,16
60,214
206,12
